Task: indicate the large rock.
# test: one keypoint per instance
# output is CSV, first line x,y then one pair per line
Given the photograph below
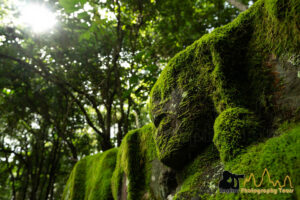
x,y
199,179
225,69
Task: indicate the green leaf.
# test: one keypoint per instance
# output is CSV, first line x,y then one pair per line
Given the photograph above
x,y
134,79
83,15
69,5
83,2
85,36
7,91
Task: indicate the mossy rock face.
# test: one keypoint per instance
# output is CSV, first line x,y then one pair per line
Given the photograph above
x,y
91,177
132,174
201,176
163,181
235,128
223,79
280,9
224,69
279,155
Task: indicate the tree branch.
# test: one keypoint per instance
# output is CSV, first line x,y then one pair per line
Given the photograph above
x,y
61,83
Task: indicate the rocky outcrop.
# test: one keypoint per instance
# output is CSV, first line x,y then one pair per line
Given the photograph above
x,y
221,104
226,69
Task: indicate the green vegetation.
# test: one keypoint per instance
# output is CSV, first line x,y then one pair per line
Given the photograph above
x,y
279,155
91,177
221,79
81,87
78,86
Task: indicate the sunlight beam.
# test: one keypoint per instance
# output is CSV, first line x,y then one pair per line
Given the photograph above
x,y
39,18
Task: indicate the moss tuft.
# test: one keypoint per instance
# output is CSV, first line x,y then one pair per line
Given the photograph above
x,y
281,9
235,128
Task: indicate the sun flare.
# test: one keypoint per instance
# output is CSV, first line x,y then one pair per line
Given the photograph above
x,y
39,18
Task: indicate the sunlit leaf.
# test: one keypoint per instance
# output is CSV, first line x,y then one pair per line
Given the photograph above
x,y
70,5
85,36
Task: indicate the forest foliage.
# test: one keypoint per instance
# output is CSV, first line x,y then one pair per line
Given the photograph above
x,y
79,88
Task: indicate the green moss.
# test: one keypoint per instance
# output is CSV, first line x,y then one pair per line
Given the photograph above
x,y
279,155
235,128
91,177
134,161
282,9
196,177
75,188
224,69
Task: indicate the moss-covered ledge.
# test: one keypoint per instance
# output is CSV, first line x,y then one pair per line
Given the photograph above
x,y
90,179
133,169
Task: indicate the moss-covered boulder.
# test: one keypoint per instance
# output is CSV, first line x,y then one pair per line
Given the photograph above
x,y
90,179
224,69
131,178
235,128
